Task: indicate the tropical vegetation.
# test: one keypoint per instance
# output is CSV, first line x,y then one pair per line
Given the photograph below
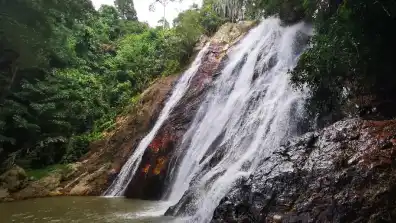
x,y
67,70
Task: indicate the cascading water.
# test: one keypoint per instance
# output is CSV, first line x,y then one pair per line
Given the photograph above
x,y
128,170
248,113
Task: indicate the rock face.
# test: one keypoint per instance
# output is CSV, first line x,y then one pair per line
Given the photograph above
x,y
149,181
87,183
343,173
229,33
44,187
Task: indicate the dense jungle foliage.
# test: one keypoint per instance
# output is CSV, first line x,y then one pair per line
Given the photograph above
x,y
349,62
67,70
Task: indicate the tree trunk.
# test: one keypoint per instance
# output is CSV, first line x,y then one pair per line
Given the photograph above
x,y
163,22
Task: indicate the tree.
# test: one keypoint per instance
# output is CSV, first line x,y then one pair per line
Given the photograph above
x,y
22,41
164,3
232,9
67,70
126,9
210,19
188,25
350,58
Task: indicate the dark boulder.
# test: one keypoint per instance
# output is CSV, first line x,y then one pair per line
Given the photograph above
x,y
343,173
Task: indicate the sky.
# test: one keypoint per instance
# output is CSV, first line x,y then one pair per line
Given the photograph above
x,y
144,15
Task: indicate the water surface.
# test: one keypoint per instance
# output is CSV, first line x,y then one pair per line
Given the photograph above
x,y
83,209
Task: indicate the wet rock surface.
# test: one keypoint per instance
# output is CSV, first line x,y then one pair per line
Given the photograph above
x,y
343,173
149,180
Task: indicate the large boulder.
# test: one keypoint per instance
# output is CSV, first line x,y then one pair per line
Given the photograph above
x,y
14,179
230,33
86,185
40,188
343,173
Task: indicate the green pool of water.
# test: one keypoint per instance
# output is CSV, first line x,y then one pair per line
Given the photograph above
x,y
83,209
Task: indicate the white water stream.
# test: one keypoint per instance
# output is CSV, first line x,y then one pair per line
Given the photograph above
x,y
127,172
249,111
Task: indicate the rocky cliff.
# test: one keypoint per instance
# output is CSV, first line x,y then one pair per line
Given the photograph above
x,y
342,173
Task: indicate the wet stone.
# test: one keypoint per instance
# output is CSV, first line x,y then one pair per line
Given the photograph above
x,y
348,179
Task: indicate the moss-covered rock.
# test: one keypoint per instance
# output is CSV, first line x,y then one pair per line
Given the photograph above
x,y
230,33
13,179
39,188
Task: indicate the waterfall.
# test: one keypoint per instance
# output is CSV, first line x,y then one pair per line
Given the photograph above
x,y
250,110
128,170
